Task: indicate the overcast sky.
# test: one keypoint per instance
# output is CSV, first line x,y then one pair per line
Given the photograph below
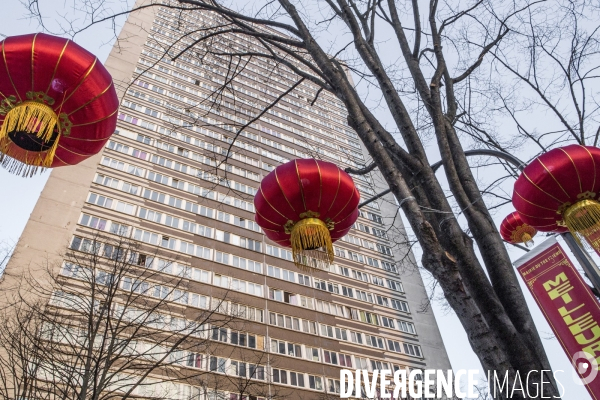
x,y
20,194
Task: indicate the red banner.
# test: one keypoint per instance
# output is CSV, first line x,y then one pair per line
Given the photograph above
x,y
569,306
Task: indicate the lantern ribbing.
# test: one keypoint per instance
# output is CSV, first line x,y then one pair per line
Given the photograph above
x,y
58,104
307,204
559,190
514,230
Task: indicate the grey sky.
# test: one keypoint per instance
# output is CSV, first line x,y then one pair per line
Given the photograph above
x,y
20,194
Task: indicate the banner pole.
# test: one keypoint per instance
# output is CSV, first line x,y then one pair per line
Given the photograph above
x,y
589,266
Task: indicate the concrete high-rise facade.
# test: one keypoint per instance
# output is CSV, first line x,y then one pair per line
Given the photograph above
x,y
160,181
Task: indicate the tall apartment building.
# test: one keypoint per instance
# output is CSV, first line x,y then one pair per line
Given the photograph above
x,y
158,181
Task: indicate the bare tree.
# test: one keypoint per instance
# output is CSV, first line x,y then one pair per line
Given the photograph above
x,y
441,92
112,323
537,89
6,251
557,75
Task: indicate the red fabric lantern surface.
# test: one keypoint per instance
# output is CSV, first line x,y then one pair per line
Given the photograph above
x,y
514,230
306,194
63,97
553,182
559,191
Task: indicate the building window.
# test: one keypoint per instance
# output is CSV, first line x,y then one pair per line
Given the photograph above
x,y
280,273
372,262
374,217
193,360
219,334
400,305
77,271
379,365
334,358
347,291
389,267
315,382
412,349
285,321
356,337
280,376
237,368
394,346
303,280
93,222
384,249
290,349
382,301
217,364
377,280
387,322
246,312
394,285
333,386
257,372
375,341
339,252
199,301
312,353
85,245
296,379
361,363
404,326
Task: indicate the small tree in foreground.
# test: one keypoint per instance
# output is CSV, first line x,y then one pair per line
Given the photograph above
x,y
111,324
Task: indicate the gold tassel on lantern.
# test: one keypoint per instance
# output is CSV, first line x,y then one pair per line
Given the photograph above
x,y
310,238
34,118
524,234
583,220
527,240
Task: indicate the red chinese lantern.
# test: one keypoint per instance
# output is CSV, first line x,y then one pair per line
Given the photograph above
x,y
59,105
514,230
307,205
559,190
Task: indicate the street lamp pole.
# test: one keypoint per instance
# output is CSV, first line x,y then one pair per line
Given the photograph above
x,y
589,266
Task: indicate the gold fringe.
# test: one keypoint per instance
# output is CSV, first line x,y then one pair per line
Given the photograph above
x,y
583,220
523,234
17,167
527,240
311,244
32,117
